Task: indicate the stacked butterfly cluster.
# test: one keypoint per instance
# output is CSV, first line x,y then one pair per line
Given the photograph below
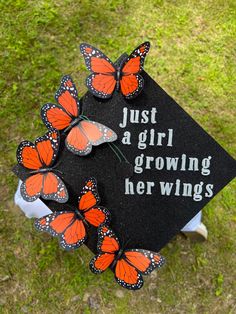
x,y
40,159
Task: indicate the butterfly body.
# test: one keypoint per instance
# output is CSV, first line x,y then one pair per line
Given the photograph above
x,y
73,123
117,78
42,170
118,256
66,116
106,76
80,216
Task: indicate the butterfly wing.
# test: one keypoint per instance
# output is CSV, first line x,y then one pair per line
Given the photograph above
x,y
77,142
88,133
108,245
87,204
66,226
31,187
97,216
47,185
47,147
60,116
143,260
97,133
67,96
127,276
131,85
27,156
89,196
41,223
134,263
55,223
101,85
53,188
131,82
54,116
74,236
95,60
102,80
101,262
107,240
135,62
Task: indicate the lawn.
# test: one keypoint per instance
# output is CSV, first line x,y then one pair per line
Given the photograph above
x,y
193,58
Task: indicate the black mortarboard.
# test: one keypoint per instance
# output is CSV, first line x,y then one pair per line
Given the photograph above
x,y
177,166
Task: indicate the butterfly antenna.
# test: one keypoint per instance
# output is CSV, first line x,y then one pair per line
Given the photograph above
x,y
123,241
114,151
126,243
56,170
56,165
84,117
119,151
70,206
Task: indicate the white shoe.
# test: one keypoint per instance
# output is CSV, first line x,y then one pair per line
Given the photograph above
x,y
31,209
198,235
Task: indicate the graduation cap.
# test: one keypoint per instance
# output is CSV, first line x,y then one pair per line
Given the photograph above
x,y
163,169
177,166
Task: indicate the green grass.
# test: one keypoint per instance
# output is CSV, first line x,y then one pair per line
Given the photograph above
x,y
193,59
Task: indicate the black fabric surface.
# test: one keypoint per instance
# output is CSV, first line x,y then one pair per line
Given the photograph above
x,y
147,221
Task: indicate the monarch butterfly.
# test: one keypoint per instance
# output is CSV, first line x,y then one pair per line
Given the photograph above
x,y
128,265
39,158
105,76
69,226
66,115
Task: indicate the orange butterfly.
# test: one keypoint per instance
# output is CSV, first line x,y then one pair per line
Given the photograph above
x,y
69,226
106,76
128,265
83,134
39,158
